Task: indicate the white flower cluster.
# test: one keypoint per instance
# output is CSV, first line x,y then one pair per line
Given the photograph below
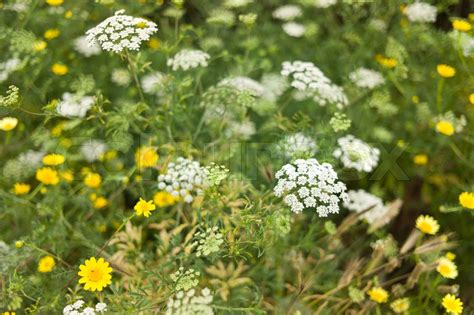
x,y
185,279
324,3
208,242
189,59
287,12
360,201
7,67
185,303
294,29
464,40
243,130
308,184
74,105
309,78
274,85
153,83
297,145
76,309
242,83
82,46
31,158
121,77
421,12
458,122
92,150
355,153
121,32
366,78
185,179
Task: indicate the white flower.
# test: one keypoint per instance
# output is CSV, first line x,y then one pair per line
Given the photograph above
x,y
297,145
242,130
464,40
287,12
308,184
92,150
31,158
184,179
101,307
246,84
153,83
324,3
366,78
360,201
421,12
355,153
186,303
81,45
310,79
208,242
274,85
458,122
236,3
78,304
120,32
88,311
7,67
121,77
188,59
294,29
74,105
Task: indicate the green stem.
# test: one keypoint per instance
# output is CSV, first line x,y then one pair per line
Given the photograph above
x,y
133,72
33,246
439,95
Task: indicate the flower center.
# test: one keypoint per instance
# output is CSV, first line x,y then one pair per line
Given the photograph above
x,y
95,275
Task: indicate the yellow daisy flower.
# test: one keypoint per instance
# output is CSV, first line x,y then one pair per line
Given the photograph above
x,y
53,159
427,224
59,69
95,274
67,176
39,45
378,294
400,305
146,157
466,200
420,159
8,123
447,268
100,202
164,199
51,33
21,188
450,256
446,71
445,127
46,264
93,180
54,2
461,25
19,244
144,207
471,98
47,176
452,304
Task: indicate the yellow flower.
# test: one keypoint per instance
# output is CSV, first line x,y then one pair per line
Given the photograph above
x,y
46,264
95,274
146,157
101,228
51,33
466,199
427,224
452,304
92,180
420,159
9,313
68,14
67,176
39,45
54,2
21,189
400,305
19,244
471,98
386,62
59,69
378,295
415,99
445,127
446,71
53,159
462,26
8,123
450,256
447,268
154,43
144,207
164,199
100,202
47,176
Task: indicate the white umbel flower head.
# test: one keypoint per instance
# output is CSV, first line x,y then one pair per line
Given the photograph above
x,y
310,79
307,184
360,201
153,83
7,67
84,47
188,302
189,59
120,32
366,78
74,105
297,145
184,179
92,150
274,86
294,29
421,12
324,3
246,84
355,153
287,12
100,307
